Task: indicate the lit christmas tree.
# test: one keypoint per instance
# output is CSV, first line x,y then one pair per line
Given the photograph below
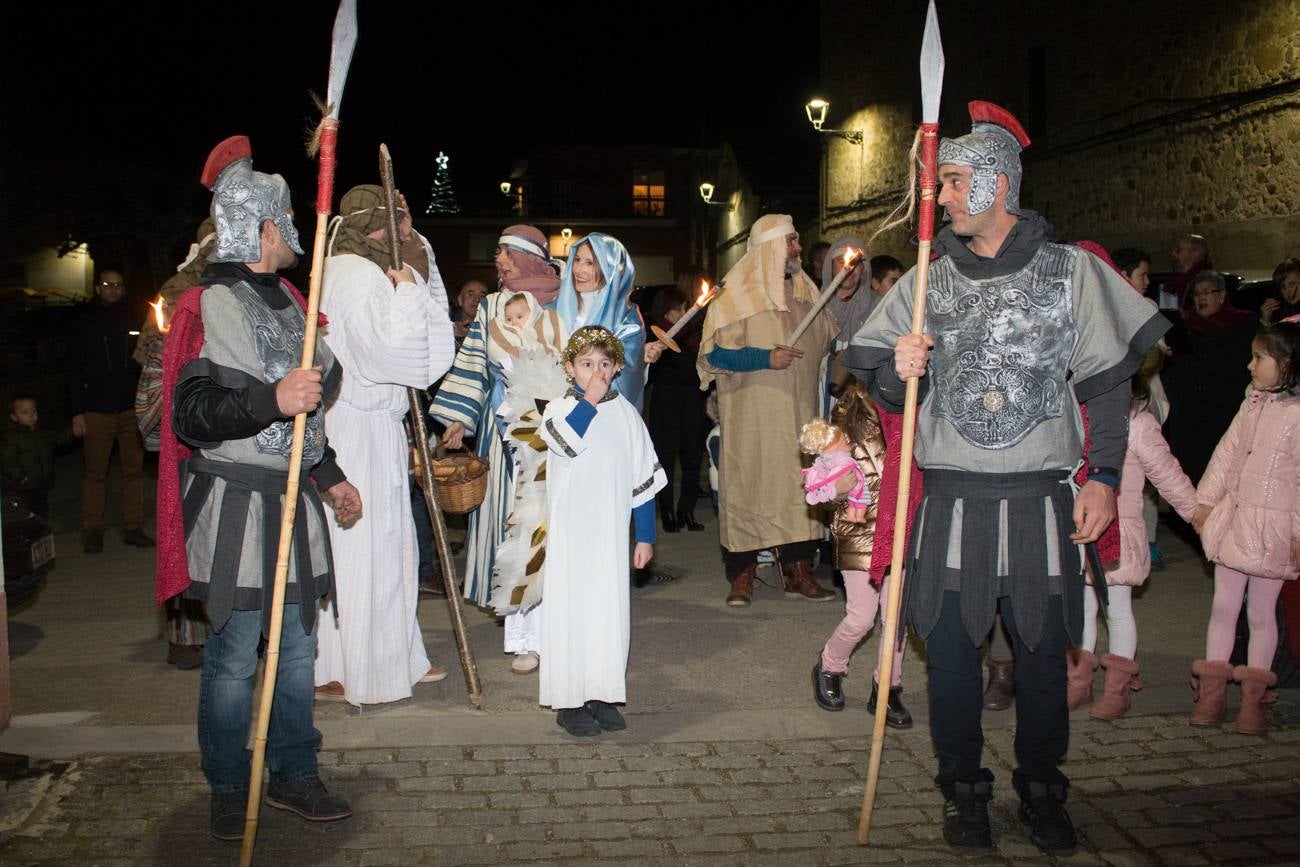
x,y
442,198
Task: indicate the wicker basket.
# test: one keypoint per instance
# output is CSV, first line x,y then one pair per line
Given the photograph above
x,y
460,482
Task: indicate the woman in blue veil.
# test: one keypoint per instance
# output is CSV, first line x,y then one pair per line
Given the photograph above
x,y
595,290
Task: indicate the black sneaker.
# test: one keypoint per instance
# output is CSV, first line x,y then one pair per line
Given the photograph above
x,y
828,689
226,815
606,716
897,716
308,798
578,722
966,816
136,537
1050,828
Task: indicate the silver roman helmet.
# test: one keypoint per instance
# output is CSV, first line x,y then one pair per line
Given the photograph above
x,y
242,199
991,148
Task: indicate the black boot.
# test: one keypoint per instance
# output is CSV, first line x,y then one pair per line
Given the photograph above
x,y
687,520
897,716
966,816
669,519
1042,808
827,689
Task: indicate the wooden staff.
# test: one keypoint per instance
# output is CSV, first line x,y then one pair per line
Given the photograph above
x,y
931,83
344,39
467,663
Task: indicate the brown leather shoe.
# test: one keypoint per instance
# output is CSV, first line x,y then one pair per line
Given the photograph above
x,y
742,587
332,691
1001,691
798,582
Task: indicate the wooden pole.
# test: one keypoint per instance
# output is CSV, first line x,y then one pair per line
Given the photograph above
x,y
436,519
929,150
329,133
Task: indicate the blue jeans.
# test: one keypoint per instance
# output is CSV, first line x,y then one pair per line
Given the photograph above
x,y
226,701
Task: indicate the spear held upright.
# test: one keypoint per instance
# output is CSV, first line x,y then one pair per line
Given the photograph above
x,y
467,663
931,88
344,39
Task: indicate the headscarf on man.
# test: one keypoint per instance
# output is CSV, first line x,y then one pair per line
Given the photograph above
x,y
610,308
362,212
537,275
755,284
850,313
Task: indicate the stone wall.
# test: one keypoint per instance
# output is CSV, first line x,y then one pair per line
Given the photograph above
x,y
1149,120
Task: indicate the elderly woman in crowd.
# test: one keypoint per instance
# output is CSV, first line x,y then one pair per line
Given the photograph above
x,y
1207,381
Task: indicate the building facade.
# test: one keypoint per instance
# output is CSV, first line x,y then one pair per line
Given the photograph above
x,y
1148,120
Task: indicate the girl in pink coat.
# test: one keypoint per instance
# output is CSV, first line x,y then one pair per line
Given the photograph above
x,y
1249,520
1147,457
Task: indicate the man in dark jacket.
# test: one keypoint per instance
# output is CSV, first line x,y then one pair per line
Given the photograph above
x,y
101,379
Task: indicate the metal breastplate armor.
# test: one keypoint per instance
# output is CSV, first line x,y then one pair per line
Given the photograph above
x,y
279,348
1002,346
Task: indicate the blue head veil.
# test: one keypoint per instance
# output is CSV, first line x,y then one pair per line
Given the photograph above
x,y
609,308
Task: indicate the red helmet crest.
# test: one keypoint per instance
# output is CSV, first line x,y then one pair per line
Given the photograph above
x,y
987,112
234,148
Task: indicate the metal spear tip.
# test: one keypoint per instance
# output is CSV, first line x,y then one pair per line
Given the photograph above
x,y
345,39
931,67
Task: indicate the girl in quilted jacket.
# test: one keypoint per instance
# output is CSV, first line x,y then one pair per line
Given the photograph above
x,y
1249,520
853,528
1147,457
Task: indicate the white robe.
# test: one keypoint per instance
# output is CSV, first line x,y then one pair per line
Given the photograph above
x,y
593,482
386,340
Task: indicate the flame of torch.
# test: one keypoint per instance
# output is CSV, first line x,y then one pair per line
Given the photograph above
x,y
160,314
707,294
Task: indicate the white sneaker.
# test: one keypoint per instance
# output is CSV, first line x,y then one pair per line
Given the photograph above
x,y
525,663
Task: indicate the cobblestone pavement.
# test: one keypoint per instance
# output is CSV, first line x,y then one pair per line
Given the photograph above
x,y
1147,790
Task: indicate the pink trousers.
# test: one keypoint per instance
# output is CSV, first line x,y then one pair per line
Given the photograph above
x,y
1230,586
859,617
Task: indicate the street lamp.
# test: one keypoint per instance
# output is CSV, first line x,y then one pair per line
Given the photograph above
x,y
816,108
706,193
505,188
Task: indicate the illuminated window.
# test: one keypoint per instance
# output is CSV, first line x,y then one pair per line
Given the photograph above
x,y
648,193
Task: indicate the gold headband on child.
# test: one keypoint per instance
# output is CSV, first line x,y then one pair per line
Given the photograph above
x,y
589,337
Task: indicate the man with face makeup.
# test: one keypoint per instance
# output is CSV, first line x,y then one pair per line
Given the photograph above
x,y
1019,330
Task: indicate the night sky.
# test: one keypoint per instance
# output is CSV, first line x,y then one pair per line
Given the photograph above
x,y
103,85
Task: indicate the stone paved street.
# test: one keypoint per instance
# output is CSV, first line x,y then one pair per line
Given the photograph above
x,y
1148,790
726,760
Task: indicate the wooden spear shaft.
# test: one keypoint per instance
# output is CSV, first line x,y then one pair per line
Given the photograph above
x,y
929,150
467,663
329,134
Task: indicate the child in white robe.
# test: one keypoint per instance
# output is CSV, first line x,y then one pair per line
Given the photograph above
x,y
601,468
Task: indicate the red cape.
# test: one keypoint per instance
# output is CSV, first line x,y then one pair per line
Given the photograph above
x,y
183,343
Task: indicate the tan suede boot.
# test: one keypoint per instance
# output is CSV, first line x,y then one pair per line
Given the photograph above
x,y
1252,718
1121,677
1210,683
1082,666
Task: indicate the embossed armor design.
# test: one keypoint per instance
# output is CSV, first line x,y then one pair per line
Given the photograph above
x,y
279,348
1002,346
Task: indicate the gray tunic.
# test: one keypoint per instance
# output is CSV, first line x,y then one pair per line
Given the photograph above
x,y
233,491
1017,348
